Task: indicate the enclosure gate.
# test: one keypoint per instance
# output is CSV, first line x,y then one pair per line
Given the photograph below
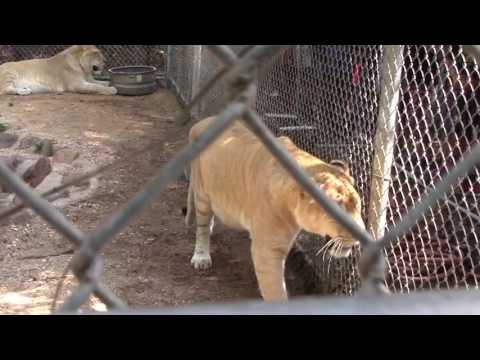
x,y
406,119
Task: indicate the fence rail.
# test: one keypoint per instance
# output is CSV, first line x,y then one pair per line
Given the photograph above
x,y
408,117
451,302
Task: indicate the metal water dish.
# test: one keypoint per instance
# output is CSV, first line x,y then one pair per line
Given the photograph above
x,y
134,80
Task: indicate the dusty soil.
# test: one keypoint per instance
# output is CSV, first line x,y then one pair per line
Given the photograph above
x,y
148,264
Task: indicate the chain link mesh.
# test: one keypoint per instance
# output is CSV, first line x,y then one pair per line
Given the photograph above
x,y
438,121
210,65
326,98
116,55
180,70
187,73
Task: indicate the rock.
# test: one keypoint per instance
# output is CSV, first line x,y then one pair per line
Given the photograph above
x,y
33,169
49,182
53,180
65,156
29,142
12,161
25,166
7,140
35,175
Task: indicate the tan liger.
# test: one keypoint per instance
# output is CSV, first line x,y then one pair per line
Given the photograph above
x,y
238,180
71,70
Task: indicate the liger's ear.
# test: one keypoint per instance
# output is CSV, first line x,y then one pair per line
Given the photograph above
x,y
341,164
91,50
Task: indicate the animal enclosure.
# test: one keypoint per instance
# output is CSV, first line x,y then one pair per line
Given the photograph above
x,y
326,98
402,117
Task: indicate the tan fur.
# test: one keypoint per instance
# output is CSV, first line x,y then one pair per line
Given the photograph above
x,y
69,71
243,185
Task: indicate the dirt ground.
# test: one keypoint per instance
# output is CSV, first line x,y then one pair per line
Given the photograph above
x,y
148,264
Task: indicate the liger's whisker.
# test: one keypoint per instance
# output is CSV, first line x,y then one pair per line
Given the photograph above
x,y
329,242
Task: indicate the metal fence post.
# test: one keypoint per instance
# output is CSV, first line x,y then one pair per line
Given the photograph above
x,y
385,139
168,75
196,72
373,281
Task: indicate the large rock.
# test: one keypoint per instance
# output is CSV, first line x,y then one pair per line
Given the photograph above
x,y
12,161
32,169
37,171
51,181
29,142
7,140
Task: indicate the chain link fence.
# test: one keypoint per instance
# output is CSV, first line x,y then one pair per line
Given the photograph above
x,y
405,118
116,55
438,120
180,71
190,68
326,98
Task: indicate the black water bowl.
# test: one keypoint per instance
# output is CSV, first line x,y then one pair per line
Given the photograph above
x,y
134,80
